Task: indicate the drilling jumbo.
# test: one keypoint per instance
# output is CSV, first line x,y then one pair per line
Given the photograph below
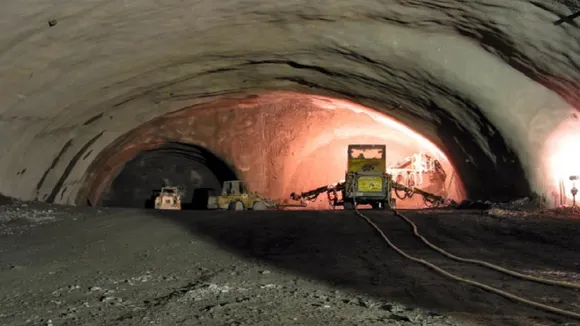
x,y
366,182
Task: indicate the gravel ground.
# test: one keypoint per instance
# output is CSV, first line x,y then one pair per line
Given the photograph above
x,y
79,266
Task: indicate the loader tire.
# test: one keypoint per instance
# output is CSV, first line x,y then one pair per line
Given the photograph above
x,y
259,206
236,206
348,206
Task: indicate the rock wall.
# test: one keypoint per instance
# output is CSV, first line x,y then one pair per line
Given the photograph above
x,y
488,80
276,143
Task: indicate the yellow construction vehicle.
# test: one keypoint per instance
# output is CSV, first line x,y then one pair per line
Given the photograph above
x,y
168,198
235,196
366,182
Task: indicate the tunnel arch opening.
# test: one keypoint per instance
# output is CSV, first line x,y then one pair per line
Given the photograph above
x,y
273,141
424,70
196,170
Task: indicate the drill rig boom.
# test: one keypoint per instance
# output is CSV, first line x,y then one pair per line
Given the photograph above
x,y
332,190
311,195
366,181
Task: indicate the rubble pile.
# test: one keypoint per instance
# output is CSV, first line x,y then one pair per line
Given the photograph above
x,y
566,212
520,207
17,215
21,211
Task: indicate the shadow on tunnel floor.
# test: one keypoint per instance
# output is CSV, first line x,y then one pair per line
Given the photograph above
x,y
342,250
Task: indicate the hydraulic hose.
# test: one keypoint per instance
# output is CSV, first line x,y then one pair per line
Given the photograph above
x,y
484,263
482,286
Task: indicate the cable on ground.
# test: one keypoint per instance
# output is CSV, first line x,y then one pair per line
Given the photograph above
x,y
482,286
484,263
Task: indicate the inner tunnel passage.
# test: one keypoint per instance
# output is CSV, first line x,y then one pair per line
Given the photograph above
x,y
194,169
277,143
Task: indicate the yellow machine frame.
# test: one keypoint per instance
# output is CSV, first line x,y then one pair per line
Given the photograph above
x,y
235,196
169,198
366,180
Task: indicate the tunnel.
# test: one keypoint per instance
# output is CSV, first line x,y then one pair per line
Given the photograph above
x,y
489,87
277,142
194,169
103,103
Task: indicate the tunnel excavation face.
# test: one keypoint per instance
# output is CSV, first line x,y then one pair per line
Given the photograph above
x,y
196,171
323,160
278,143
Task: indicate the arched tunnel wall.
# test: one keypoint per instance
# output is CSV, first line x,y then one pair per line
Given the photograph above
x,y
278,143
488,81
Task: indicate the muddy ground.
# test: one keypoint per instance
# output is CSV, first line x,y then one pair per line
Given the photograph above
x,y
80,266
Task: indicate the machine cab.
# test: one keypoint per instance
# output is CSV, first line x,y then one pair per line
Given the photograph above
x,y
168,198
234,188
366,171
367,158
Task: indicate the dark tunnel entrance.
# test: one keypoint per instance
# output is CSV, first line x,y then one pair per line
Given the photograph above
x,y
193,168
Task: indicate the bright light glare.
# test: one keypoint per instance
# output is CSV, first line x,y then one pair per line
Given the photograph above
x,y
563,154
565,162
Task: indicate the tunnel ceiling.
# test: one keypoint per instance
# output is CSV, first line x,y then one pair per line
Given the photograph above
x,y
487,80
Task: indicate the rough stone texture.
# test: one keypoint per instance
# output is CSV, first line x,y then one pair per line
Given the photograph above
x,y
277,144
488,80
66,265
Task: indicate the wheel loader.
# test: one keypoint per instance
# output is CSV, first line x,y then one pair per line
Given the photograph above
x,y
235,196
168,198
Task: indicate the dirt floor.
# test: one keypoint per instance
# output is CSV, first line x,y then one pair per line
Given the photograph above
x,y
80,266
